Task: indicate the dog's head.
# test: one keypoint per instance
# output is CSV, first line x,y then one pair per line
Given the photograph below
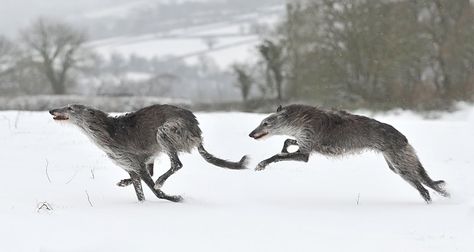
x,y
274,124
74,113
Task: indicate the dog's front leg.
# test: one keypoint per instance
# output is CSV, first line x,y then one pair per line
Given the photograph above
x,y
295,156
288,143
137,184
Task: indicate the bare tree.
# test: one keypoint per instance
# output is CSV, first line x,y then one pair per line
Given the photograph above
x,y
210,42
7,50
9,59
272,54
244,80
55,48
449,25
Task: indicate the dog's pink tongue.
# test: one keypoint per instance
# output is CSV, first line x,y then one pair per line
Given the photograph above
x,y
260,135
59,117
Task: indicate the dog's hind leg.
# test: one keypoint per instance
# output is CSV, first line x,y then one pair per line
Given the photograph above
x,y
435,185
402,166
407,161
145,176
420,172
418,186
175,166
127,182
150,167
288,143
295,156
390,165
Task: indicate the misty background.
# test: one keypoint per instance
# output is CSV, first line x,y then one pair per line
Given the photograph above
x,y
237,54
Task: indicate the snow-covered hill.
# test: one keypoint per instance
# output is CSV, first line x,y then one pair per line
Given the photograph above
x,y
350,204
226,39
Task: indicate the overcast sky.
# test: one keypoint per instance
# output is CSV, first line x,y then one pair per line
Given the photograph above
x,y
15,14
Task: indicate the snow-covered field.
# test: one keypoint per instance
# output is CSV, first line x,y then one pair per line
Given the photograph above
x,y
177,47
350,204
225,42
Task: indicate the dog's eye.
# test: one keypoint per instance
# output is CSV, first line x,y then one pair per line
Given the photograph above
x,y
265,124
69,108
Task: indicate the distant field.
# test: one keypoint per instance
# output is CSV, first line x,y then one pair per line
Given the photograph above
x,y
226,42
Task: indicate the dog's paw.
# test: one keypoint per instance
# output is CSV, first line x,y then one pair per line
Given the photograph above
x,y
124,182
175,198
260,167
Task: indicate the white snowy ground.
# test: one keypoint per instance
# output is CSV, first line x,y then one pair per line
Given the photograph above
x,y
350,204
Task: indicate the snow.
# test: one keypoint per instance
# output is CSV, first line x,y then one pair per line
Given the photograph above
x,y
122,10
178,47
354,203
232,37
137,76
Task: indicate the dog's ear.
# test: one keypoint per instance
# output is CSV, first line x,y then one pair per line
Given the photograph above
x,y
279,108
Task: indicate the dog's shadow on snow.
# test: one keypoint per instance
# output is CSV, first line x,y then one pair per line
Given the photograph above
x,y
297,202
344,203
188,201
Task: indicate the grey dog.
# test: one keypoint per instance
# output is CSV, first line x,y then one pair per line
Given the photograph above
x,y
335,133
133,140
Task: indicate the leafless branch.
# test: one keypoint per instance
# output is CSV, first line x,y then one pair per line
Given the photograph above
x,y
358,198
17,118
44,205
46,170
73,176
89,199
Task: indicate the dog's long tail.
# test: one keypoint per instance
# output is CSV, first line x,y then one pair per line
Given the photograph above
x,y
221,162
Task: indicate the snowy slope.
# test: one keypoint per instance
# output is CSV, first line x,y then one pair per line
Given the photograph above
x,y
350,204
233,37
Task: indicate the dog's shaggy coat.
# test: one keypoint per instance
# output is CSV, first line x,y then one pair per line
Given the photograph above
x,y
336,133
133,140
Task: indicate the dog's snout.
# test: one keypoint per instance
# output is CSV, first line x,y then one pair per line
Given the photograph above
x,y
252,134
51,111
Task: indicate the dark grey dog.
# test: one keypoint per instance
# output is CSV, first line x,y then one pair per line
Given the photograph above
x,y
133,140
336,133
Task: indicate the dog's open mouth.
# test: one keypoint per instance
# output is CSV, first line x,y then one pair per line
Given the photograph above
x,y
60,117
259,135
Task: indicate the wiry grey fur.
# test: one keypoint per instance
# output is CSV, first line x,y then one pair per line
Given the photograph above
x,y
335,133
133,140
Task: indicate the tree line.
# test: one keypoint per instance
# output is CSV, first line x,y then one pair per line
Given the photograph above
x,y
370,53
357,54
